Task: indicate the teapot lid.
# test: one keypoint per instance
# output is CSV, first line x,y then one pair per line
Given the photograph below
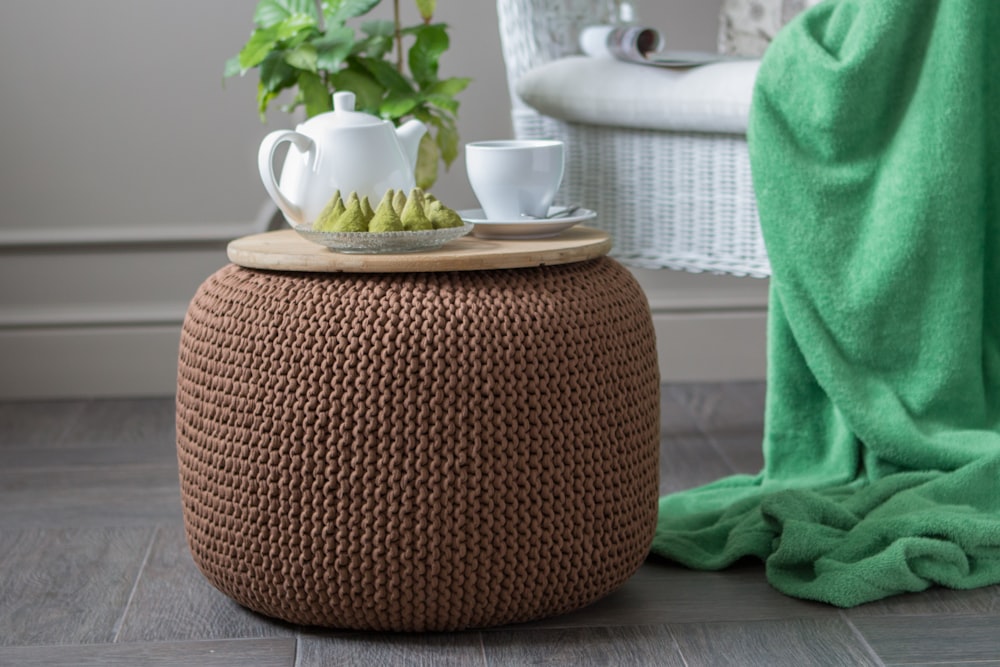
x,y
343,114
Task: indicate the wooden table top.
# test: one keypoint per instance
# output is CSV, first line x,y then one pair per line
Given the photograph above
x,y
285,250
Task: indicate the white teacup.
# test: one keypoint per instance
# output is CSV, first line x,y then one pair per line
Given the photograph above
x,y
513,178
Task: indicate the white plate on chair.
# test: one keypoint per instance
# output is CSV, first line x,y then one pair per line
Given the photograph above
x,y
524,228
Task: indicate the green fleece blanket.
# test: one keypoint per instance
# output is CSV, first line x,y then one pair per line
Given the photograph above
x,y
875,147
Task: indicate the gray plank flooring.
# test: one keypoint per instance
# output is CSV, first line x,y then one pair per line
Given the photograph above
x,y
779,643
173,601
96,570
366,649
226,653
627,646
67,585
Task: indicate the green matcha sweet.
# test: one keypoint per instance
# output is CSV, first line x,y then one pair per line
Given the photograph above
x,y
443,217
413,217
428,200
366,209
399,201
328,217
352,219
385,218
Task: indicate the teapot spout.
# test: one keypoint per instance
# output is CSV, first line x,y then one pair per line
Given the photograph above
x,y
409,135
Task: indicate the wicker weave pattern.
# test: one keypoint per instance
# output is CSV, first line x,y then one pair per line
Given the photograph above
x,y
419,451
540,31
746,27
678,200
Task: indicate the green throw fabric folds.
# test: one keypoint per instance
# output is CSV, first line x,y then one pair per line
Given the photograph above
x,y
875,145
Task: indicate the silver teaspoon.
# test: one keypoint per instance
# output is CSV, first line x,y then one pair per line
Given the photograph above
x,y
564,213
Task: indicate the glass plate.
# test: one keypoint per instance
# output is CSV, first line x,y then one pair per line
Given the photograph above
x,y
383,243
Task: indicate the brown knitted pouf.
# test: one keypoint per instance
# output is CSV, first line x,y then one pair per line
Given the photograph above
x,y
419,451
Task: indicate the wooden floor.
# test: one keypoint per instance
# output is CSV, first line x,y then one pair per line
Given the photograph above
x,y
94,570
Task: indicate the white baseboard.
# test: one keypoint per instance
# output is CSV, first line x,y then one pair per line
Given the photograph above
x,y
711,347
708,327
97,312
88,362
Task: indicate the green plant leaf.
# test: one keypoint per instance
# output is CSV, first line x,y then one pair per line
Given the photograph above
x,y
302,57
448,87
264,40
367,91
378,28
338,11
387,75
379,34
422,114
373,47
260,44
333,47
423,56
444,103
315,94
428,155
276,74
272,12
426,9
293,105
397,105
447,140
296,26
413,30
232,67
264,98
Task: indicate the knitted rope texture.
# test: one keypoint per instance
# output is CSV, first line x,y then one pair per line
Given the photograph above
x,y
429,451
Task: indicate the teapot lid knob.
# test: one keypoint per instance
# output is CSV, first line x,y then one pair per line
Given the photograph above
x,y
343,115
343,101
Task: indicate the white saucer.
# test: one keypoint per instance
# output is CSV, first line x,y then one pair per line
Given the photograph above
x,y
523,228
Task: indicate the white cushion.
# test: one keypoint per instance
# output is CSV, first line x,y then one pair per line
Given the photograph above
x,y
607,91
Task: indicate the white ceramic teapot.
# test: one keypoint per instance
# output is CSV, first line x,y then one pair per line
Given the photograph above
x,y
344,150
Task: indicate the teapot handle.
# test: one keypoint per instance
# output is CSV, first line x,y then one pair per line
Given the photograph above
x,y
265,164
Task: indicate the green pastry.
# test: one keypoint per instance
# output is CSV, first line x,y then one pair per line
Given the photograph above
x,y
352,219
385,218
366,209
331,212
413,217
443,217
399,201
428,200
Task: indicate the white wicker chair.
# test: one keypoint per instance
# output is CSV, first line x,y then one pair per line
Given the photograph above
x,y
677,200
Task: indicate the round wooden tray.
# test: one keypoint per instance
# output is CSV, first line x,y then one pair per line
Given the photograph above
x,y
287,251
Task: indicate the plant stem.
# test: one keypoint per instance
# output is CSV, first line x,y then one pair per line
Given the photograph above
x,y
322,19
399,36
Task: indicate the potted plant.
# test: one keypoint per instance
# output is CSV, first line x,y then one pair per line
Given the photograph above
x,y
309,47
